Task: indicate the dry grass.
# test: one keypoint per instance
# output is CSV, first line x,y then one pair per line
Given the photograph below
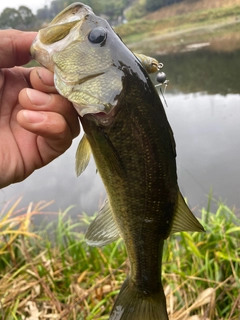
x,y
174,28
187,7
52,274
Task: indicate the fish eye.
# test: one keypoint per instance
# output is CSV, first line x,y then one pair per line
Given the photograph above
x,y
97,36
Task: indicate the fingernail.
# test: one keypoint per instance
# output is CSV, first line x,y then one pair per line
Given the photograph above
x,y
38,98
46,77
33,116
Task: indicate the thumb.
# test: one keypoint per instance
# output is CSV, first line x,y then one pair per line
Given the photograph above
x,y
15,47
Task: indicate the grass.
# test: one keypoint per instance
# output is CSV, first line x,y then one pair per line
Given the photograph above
x,y
52,274
178,21
168,33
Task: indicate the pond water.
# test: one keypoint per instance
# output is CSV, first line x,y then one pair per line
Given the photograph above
x,y
203,108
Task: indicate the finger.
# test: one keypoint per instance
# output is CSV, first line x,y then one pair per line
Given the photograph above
x,y
15,47
39,101
42,80
12,81
54,136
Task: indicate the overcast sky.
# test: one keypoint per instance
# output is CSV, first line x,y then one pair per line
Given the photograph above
x,y
31,4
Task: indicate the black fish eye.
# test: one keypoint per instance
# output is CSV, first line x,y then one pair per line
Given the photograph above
x,y
97,35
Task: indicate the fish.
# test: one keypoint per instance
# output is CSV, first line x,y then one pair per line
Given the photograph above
x,y
127,132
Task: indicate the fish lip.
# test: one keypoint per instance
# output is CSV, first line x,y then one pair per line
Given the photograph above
x,y
77,10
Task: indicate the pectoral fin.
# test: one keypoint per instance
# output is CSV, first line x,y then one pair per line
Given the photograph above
x,y
83,154
184,220
103,230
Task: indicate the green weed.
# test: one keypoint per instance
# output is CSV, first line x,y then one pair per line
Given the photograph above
x,y
53,274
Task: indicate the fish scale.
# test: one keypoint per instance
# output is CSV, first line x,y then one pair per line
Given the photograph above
x,y
140,190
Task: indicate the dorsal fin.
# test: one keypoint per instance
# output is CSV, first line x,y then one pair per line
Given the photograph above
x,y
184,220
103,230
83,154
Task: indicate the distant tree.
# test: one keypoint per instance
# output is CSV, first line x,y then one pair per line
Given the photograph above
x,y
97,6
55,8
10,18
43,14
114,8
28,18
111,8
152,5
135,11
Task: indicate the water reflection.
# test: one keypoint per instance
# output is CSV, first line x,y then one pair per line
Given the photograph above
x,y
203,71
57,181
206,129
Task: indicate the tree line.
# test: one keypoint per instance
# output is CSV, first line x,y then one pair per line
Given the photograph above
x,y
116,11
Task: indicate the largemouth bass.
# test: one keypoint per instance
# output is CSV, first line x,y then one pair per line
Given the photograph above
x,y
128,133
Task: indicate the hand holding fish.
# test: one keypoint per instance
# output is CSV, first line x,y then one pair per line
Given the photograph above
x,y
36,124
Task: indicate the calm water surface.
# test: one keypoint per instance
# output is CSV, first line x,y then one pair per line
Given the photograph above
x,y
203,108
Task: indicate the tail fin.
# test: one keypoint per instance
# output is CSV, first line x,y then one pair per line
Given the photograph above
x,y
132,304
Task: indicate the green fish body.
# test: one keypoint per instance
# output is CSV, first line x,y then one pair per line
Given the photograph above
x,y
127,131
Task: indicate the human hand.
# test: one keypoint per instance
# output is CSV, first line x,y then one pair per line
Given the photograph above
x,y
36,124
